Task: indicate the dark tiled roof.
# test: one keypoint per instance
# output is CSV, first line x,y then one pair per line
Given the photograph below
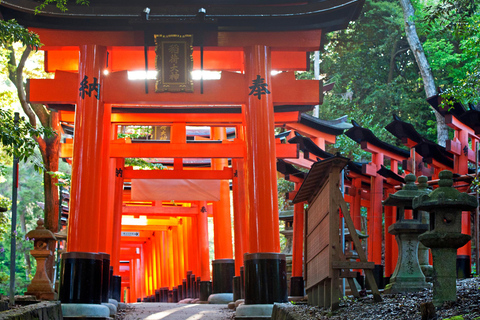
x,y
359,135
174,15
456,109
335,127
387,173
288,169
306,145
403,130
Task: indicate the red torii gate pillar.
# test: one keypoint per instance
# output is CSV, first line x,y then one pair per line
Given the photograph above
x,y
375,213
261,185
221,209
297,287
203,246
84,219
461,150
117,215
239,213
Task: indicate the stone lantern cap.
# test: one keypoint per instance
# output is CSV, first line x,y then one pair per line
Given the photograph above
x,y
40,233
404,197
445,197
285,215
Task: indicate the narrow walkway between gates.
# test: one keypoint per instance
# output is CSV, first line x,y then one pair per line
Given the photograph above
x,y
176,311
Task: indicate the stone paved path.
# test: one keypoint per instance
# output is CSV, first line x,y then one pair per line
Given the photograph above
x,y
176,311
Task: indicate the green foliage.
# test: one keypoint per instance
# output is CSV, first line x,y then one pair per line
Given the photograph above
x,y
283,187
375,76
60,4
11,32
452,46
143,164
5,202
16,139
135,132
64,179
30,192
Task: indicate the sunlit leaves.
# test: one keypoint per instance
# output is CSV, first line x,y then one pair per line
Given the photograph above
x,y
18,138
11,32
60,4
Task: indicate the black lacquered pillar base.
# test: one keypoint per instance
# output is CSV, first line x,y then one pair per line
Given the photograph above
x,y
223,271
81,278
105,275
117,288
297,287
463,267
175,295
237,288
164,294
265,278
242,281
205,290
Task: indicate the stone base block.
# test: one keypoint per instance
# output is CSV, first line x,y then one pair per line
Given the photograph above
x,y
254,311
111,307
220,298
404,287
114,302
239,302
296,298
83,310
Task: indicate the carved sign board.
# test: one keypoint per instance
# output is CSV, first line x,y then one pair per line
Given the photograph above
x,y
174,63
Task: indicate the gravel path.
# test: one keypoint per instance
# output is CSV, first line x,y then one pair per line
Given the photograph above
x,y
175,311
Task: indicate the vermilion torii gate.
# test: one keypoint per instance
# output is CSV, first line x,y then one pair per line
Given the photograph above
x,y
91,54
93,225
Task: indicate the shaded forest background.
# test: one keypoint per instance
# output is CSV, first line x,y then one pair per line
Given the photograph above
x,y
375,76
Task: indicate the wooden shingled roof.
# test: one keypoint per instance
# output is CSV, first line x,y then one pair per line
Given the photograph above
x,y
317,176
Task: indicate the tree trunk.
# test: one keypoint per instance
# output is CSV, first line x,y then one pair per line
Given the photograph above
x,y
392,61
423,65
23,227
50,154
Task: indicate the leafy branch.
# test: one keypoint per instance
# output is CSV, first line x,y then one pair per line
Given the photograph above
x,y
60,4
18,139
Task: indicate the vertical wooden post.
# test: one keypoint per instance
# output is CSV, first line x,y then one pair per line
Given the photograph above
x,y
176,257
297,250
356,193
154,262
239,213
117,215
83,231
133,291
260,165
105,219
222,225
461,167
203,247
171,275
376,208
181,251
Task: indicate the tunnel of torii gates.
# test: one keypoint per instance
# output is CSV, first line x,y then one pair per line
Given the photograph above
x,y
171,239
153,241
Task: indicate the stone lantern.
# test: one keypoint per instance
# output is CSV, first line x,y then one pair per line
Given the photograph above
x,y
41,285
408,276
445,205
287,217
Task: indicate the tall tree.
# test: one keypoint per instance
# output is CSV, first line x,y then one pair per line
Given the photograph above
x,y
49,144
423,65
375,75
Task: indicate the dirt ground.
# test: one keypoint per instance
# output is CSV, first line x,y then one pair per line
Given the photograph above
x,y
175,311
